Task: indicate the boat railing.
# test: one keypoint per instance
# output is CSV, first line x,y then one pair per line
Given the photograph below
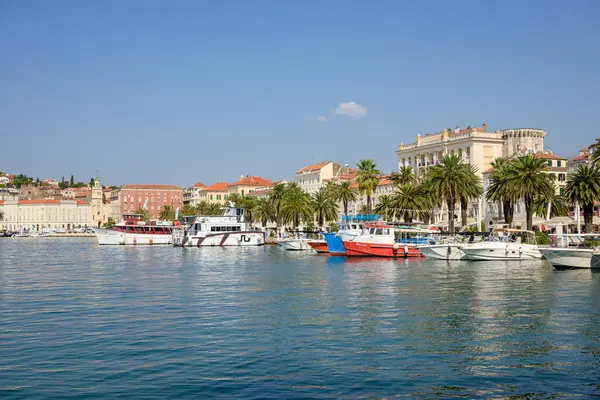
x,y
579,241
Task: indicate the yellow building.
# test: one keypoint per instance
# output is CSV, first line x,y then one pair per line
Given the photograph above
x,y
248,184
216,193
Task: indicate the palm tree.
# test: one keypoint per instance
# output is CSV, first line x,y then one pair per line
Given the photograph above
x,y
143,212
202,208
367,178
525,178
384,206
167,213
559,206
263,211
428,201
471,189
446,180
188,210
404,175
324,206
236,199
596,154
247,203
583,187
296,206
276,199
346,193
406,201
498,166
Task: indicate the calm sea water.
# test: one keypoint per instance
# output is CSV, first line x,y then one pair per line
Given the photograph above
x,y
82,321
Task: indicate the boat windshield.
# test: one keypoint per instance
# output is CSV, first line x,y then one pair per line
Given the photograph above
x,y
589,241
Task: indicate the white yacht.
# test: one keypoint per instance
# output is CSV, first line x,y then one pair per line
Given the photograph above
x,y
504,244
448,248
570,251
228,229
133,230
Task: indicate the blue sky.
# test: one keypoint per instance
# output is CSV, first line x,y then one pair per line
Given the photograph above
x,y
186,91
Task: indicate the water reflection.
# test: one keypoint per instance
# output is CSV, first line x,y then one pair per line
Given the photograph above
x,y
265,323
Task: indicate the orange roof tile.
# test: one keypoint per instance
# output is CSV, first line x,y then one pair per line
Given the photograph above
x,y
81,202
581,157
149,186
253,181
383,182
548,156
198,185
39,201
1,202
218,187
313,167
487,171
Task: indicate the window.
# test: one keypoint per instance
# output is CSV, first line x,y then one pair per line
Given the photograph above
x,y
558,163
218,197
242,192
211,197
549,163
561,190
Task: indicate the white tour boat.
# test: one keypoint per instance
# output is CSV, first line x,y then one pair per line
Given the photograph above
x,y
133,230
570,251
228,229
504,244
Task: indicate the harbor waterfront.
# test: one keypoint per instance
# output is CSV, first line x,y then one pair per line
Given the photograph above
x,y
83,320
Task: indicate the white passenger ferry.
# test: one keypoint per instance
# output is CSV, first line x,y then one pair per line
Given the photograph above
x,y
228,229
133,230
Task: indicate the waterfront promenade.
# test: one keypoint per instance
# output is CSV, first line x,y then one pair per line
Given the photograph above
x,y
82,320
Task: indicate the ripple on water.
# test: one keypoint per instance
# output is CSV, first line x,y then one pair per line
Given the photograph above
x,y
79,320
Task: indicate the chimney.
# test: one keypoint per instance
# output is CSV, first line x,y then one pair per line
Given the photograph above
x,y
484,127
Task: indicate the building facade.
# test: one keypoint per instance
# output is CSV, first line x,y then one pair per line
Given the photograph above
x,y
153,197
557,168
216,193
192,195
38,215
247,184
313,177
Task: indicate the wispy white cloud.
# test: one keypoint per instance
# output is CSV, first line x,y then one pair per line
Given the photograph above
x,y
352,109
321,118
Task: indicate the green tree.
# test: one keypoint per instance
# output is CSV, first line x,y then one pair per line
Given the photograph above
x,y
109,223
248,203
143,212
296,206
472,189
525,178
324,207
407,201
367,178
188,210
583,187
276,198
167,213
498,190
595,157
345,193
103,198
263,211
72,181
404,175
559,206
236,199
446,180
92,181
384,206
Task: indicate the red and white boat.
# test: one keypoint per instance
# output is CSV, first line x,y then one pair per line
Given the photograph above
x,y
382,240
133,230
319,245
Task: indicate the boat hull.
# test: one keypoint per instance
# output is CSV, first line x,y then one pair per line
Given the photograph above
x,y
362,249
335,245
225,239
113,237
442,251
320,246
573,258
487,251
295,244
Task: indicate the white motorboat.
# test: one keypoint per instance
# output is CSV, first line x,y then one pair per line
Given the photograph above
x,y
572,251
133,230
295,244
228,229
504,244
446,248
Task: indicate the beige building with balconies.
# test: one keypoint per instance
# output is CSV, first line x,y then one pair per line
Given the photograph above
x,y
313,177
38,215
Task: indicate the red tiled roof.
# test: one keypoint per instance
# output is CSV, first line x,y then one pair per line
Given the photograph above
x,y
313,167
581,157
1,202
149,187
383,182
199,185
487,171
81,202
39,201
259,193
253,181
548,156
218,187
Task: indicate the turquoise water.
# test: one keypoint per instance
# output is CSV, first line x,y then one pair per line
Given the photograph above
x,y
82,321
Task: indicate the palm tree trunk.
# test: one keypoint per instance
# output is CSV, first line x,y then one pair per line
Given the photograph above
x,y
464,204
529,212
369,203
588,214
450,203
500,205
346,209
